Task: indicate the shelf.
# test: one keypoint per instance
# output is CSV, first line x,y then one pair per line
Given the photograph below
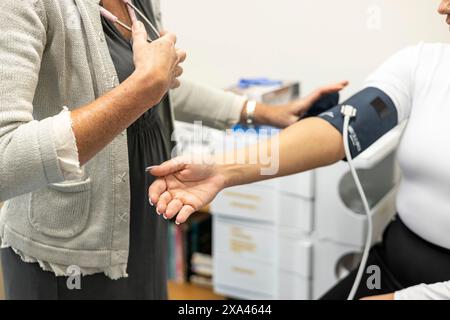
x,y
190,292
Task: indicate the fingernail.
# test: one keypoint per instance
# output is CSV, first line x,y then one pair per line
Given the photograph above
x,y
150,168
177,223
150,201
158,212
165,217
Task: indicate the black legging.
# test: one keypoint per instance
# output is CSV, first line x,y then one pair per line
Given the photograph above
x,y
405,260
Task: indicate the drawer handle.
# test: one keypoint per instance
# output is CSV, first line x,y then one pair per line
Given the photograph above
x,y
243,206
239,246
242,195
243,271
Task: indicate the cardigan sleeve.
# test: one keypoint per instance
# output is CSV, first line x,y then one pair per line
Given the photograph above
x,y
215,108
28,154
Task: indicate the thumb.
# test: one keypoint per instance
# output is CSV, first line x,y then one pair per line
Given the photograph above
x,y
323,91
139,35
168,167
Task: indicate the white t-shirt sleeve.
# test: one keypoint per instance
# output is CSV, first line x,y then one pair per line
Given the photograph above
x,y
395,77
437,291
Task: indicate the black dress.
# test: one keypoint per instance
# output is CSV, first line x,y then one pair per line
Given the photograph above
x,y
149,143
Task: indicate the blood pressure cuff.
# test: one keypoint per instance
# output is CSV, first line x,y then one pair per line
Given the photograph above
x,y
376,115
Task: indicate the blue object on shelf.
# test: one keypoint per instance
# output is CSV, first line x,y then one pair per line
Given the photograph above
x,y
247,83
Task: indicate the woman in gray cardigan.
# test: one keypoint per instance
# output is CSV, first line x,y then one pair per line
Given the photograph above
x,y
82,114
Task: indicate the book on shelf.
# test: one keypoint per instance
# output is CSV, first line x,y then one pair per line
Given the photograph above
x,y
205,282
188,241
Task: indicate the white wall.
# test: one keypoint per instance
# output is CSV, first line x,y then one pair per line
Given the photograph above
x,y
315,41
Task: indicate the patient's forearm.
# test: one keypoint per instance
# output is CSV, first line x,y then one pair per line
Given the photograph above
x,y
309,144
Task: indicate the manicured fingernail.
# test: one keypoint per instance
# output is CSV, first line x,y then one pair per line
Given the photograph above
x,y
151,203
177,223
157,211
165,217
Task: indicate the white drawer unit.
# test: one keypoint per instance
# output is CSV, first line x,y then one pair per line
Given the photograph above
x,y
241,240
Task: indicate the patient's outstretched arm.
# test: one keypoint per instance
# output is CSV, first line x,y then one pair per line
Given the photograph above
x,y
185,186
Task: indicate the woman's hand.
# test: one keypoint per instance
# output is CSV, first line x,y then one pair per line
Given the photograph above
x,y
286,115
184,188
157,63
157,67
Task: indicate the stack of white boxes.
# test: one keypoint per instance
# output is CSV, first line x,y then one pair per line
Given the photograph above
x,y
262,244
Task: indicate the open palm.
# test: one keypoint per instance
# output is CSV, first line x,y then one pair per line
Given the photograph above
x,y
183,188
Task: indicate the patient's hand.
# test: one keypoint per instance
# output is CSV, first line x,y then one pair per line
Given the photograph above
x,y
286,115
183,188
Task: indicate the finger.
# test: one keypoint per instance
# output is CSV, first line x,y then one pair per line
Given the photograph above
x,y
139,36
131,12
172,38
184,214
178,71
333,87
173,208
181,55
168,167
156,189
163,201
175,84
319,93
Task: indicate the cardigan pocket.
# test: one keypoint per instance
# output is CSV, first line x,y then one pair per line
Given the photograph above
x,y
61,210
